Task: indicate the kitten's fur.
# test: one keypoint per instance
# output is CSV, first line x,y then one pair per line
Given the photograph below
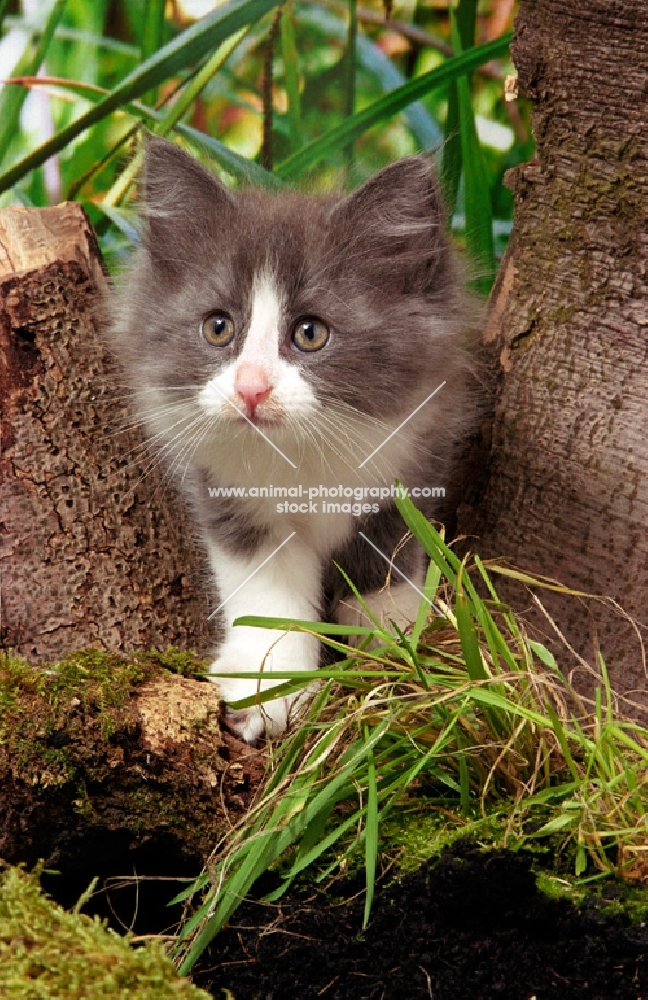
x,y
376,267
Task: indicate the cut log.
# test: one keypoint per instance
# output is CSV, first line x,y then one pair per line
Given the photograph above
x,y
96,548
105,754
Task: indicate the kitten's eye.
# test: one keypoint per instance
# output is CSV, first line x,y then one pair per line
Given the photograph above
x,y
218,329
310,334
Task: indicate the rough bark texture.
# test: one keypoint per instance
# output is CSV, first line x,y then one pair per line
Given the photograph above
x,y
86,558
567,487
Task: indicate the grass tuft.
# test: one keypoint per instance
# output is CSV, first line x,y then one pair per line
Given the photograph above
x,y
467,714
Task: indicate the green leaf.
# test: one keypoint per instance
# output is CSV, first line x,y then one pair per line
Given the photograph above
x,y
429,538
432,578
469,640
581,859
558,729
479,216
557,823
152,36
12,97
190,46
322,628
269,843
234,164
351,58
3,10
451,161
389,105
195,86
542,653
290,63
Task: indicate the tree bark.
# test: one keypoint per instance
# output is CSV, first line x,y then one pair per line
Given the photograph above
x,y
567,486
96,550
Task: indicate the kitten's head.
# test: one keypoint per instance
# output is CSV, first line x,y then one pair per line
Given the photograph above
x,y
275,308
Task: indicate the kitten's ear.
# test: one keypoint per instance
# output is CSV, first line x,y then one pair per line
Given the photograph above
x,y
181,200
396,219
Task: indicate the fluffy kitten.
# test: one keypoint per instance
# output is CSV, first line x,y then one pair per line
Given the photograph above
x,y
280,340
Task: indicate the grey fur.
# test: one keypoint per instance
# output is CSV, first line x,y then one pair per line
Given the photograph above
x,y
375,264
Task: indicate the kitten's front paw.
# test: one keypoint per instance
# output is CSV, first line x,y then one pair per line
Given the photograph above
x,y
276,715
251,723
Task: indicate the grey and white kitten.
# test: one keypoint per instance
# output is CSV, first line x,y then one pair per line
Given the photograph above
x,y
280,339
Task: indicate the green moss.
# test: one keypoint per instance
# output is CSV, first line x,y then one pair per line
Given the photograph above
x,y
612,896
421,835
50,954
84,695
177,661
417,837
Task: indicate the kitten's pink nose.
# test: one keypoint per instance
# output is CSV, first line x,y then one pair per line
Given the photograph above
x,y
252,384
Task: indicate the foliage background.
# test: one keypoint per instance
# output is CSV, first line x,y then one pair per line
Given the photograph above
x,y
294,90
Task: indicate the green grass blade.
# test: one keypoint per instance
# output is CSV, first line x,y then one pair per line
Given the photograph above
x,y
12,98
389,105
321,628
195,86
291,76
170,118
432,579
466,17
558,729
190,46
451,161
464,779
429,538
468,637
479,216
319,846
233,163
375,62
351,59
450,172
152,36
371,832
289,819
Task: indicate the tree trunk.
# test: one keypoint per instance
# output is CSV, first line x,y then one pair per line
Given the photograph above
x,y
96,550
567,484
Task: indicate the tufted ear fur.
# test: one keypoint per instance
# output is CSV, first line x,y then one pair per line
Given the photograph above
x,y
181,202
396,221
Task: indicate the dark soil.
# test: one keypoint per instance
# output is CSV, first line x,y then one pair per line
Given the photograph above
x,y
469,926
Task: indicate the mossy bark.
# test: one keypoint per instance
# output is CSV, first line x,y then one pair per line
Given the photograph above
x,y
567,485
100,754
96,549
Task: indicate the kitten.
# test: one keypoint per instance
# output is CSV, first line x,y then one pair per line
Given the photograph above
x,y
279,340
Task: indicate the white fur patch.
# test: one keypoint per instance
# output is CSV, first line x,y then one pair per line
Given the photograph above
x,y
287,586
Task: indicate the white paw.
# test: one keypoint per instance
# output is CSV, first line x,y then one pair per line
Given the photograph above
x,y
250,723
292,651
